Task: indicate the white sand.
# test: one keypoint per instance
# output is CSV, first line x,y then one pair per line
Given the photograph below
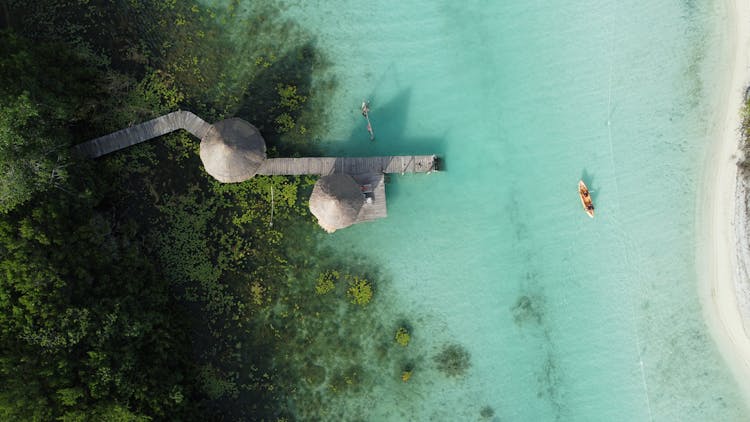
x,y
721,257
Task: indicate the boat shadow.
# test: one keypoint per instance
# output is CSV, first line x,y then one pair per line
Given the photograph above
x,y
590,181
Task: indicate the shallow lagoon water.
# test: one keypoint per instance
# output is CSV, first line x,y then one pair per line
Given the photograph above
x,y
565,318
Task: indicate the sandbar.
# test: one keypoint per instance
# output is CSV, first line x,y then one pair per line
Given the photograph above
x,y
722,255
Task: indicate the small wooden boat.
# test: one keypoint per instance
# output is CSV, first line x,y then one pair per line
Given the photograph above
x,y
366,113
588,206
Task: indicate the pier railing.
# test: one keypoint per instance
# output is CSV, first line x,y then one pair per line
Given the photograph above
x,y
349,165
273,166
143,132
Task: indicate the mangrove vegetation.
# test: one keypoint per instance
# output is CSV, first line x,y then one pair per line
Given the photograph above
x,y
135,287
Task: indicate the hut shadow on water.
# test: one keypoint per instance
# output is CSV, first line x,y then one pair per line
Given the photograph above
x,y
390,120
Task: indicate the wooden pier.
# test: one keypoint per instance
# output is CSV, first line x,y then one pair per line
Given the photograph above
x,y
271,167
377,208
368,172
143,132
349,165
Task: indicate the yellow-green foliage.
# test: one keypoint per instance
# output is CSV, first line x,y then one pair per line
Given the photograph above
x,y
359,290
402,336
290,103
289,97
284,123
326,282
257,290
70,396
254,198
182,146
156,94
159,90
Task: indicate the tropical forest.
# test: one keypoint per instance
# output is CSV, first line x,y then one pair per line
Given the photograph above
x,y
135,287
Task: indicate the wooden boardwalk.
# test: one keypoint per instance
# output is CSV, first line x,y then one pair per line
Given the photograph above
x,y
271,167
377,208
367,171
143,132
349,165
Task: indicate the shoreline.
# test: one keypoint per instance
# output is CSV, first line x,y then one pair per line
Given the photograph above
x,y
722,254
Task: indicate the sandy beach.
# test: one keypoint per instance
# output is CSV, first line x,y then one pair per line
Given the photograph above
x,y
722,253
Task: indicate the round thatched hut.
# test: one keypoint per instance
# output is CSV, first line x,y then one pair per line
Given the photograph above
x,y
232,150
336,201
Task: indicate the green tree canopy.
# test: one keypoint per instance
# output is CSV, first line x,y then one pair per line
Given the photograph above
x,y
30,160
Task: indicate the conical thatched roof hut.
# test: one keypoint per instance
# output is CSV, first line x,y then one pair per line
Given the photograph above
x,y
336,201
232,150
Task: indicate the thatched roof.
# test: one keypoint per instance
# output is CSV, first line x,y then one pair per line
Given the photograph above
x,y
336,201
232,151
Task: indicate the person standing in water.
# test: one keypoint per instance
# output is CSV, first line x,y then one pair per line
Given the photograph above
x,y
366,114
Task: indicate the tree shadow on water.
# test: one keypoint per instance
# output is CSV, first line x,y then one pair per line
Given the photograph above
x,y
263,105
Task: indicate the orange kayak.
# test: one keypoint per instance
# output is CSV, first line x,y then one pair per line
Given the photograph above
x,y
588,206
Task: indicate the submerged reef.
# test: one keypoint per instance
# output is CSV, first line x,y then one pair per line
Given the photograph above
x,y
550,383
527,309
487,412
330,352
453,360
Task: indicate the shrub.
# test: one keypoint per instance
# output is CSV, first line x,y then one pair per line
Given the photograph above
x,y
284,122
326,282
289,98
360,290
407,371
402,336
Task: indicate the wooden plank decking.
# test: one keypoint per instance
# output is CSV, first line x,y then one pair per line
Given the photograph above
x,y
365,170
275,166
349,165
377,208
143,132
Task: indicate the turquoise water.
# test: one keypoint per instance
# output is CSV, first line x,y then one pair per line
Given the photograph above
x,y
565,318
